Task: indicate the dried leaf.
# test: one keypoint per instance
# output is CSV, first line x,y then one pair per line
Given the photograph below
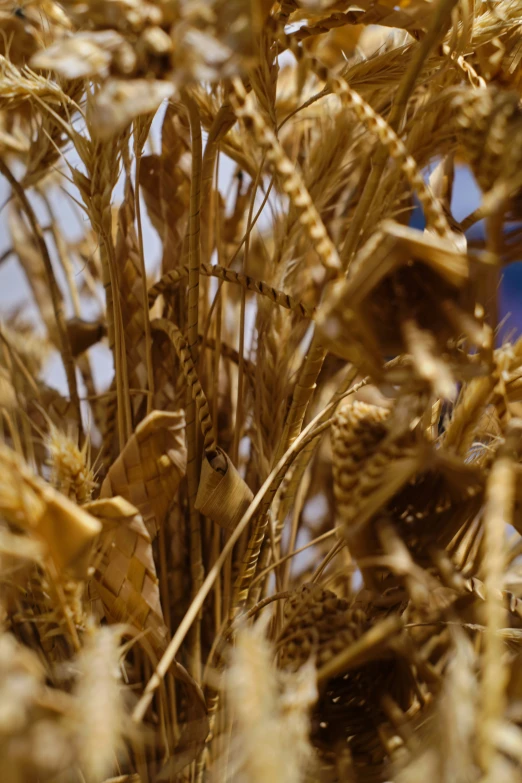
x,y
222,494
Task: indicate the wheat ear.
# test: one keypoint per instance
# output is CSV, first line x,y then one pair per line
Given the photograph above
x,y
289,176
171,279
193,382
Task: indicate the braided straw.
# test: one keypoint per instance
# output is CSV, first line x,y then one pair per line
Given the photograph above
x,y
148,470
125,574
369,467
222,494
289,175
357,663
172,278
358,430
191,376
125,581
318,623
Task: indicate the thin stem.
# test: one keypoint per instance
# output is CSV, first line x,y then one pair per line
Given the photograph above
x,y
196,553
145,300
65,345
241,369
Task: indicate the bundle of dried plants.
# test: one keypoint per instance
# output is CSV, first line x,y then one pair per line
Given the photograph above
x,y
282,541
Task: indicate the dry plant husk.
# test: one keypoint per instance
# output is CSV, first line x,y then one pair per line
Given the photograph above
x,y
282,541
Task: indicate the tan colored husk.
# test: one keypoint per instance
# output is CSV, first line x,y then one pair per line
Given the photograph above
x,y
222,494
268,710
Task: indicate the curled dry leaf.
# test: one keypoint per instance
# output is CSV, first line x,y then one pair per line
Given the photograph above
x,y
222,494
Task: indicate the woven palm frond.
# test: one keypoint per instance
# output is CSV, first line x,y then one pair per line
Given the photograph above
x,y
406,293
148,471
125,577
352,709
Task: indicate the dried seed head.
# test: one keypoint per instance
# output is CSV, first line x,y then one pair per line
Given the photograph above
x,y
100,715
321,626
318,624
271,712
357,432
372,462
70,469
33,744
